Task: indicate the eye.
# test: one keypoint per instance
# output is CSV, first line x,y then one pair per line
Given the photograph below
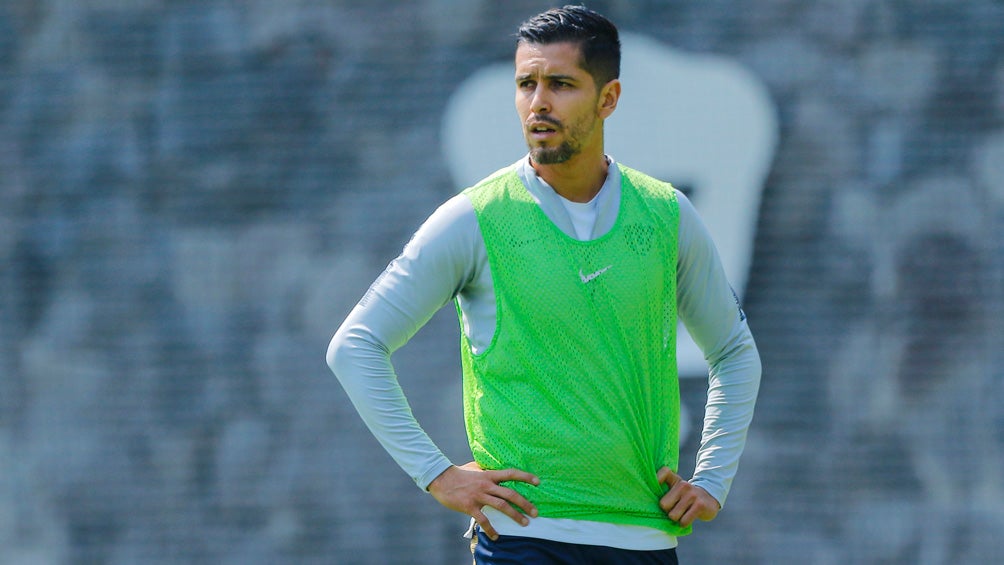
x,y
526,84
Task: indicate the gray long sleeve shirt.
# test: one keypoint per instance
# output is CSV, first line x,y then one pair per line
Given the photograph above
x,y
446,259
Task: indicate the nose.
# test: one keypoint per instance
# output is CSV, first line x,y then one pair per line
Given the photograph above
x,y
539,103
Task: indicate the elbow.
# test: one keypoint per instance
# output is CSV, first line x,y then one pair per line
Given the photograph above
x,y
740,350
756,373
332,356
739,365
748,357
352,348
340,352
756,362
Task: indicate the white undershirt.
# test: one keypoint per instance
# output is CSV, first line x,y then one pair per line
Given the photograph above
x,y
583,216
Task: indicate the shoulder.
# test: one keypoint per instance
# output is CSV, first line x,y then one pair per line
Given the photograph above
x,y
453,218
502,184
647,185
687,210
690,226
695,241
447,248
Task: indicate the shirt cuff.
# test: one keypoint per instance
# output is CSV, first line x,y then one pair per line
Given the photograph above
x,y
427,477
716,492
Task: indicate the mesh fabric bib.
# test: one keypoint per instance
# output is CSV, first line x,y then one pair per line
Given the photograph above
x,y
579,384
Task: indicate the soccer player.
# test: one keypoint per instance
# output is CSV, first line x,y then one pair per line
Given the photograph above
x,y
569,271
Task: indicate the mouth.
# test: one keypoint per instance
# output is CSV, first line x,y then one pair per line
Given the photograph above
x,y
541,130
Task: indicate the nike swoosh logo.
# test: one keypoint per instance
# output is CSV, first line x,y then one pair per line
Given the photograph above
x,y
586,278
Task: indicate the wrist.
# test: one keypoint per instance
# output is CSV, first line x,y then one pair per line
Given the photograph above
x,y
435,473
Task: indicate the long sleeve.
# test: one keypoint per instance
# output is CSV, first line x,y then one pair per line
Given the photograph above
x,y
446,258
438,261
711,312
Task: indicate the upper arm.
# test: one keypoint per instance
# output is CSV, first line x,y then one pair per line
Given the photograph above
x,y
706,302
433,267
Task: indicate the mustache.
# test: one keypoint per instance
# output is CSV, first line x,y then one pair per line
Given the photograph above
x,y
544,119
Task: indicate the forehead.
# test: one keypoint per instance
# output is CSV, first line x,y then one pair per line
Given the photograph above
x,y
549,58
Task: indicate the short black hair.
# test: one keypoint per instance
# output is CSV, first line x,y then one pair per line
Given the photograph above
x,y
597,37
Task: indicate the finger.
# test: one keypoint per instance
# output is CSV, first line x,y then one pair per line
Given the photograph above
x,y
668,476
502,505
688,518
486,526
671,499
514,498
677,511
680,501
514,475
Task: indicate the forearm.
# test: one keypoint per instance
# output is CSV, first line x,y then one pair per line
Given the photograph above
x,y
364,369
733,386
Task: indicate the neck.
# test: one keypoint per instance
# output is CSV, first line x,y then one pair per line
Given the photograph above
x,y
579,179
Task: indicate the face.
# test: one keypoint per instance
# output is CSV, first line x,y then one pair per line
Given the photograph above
x,y
558,102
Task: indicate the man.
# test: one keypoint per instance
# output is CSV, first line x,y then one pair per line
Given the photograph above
x,y
569,273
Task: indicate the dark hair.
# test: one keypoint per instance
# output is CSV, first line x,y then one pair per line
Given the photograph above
x,y
596,36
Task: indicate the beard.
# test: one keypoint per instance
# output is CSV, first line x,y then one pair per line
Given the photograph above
x,y
553,155
570,147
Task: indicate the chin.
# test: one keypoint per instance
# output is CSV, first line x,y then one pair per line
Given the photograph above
x,y
551,155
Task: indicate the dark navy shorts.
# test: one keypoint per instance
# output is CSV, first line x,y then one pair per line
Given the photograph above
x,y
515,550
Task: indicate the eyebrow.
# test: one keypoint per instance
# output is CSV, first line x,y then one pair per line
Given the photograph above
x,y
525,76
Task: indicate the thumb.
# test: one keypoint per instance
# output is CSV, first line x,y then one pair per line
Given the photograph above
x,y
666,475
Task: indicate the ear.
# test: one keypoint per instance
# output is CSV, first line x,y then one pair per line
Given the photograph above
x,y
609,95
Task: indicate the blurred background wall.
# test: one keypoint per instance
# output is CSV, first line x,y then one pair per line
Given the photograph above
x,y
194,193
